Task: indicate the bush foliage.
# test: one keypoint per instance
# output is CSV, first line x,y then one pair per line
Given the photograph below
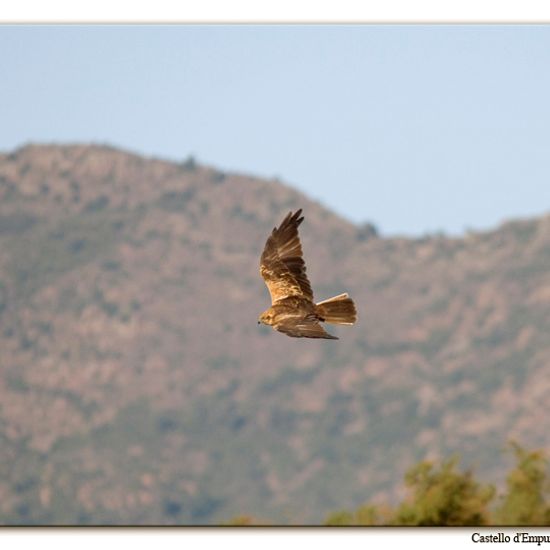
x,y
440,494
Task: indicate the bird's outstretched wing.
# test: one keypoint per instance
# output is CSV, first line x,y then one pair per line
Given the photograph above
x,y
282,266
305,328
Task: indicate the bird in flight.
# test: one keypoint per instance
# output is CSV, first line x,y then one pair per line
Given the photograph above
x,y
293,310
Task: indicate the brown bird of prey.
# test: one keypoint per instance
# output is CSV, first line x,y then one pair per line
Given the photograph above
x,y
293,310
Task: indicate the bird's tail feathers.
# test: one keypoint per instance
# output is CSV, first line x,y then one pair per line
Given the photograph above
x,y
338,310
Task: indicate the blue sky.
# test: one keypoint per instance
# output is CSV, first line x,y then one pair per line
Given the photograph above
x,y
415,128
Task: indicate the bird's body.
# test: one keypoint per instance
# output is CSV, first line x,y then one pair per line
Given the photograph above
x,y
293,310
291,307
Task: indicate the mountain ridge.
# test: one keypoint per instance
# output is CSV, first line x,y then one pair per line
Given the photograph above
x,y
190,160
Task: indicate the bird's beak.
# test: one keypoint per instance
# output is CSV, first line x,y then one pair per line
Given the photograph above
x,y
258,322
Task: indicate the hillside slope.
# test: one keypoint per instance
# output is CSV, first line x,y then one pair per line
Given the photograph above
x,y
136,386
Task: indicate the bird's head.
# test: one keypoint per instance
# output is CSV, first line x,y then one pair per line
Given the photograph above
x,y
266,317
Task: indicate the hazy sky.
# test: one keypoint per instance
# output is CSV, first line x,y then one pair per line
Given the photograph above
x,y
416,128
